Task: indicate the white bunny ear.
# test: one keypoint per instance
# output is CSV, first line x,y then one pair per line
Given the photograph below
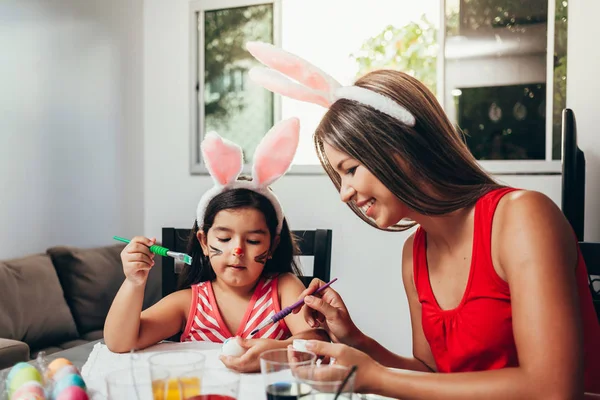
x,y
275,152
296,68
279,83
223,158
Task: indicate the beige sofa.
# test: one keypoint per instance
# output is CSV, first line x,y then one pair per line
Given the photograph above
x,y
57,300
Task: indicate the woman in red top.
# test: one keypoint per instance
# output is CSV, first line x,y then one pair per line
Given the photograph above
x,y
496,285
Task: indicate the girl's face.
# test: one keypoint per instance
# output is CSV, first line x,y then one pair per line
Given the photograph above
x,y
238,245
360,186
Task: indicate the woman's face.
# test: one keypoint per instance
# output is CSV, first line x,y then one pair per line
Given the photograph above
x,y
360,186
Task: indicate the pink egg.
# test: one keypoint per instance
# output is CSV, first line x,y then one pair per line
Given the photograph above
x,y
65,370
29,391
73,393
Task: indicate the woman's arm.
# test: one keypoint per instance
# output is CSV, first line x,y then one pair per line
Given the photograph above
x,y
535,248
290,287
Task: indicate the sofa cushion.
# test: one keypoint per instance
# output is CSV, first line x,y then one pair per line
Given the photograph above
x,y
33,305
47,351
12,352
72,343
93,335
91,279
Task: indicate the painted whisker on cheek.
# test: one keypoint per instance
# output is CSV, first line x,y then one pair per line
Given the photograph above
x,y
214,251
262,257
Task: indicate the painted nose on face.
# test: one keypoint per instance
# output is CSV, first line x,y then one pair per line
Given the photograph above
x,y
238,252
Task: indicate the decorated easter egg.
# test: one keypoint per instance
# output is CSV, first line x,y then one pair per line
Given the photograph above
x,y
15,368
64,371
300,344
29,391
231,347
56,365
73,393
66,381
22,376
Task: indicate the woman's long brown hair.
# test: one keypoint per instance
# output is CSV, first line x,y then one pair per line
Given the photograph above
x,y
428,166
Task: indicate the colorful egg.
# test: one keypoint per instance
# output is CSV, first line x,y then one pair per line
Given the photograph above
x,y
66,381
17,367
73,393
64,371
23,376
29,391
56,365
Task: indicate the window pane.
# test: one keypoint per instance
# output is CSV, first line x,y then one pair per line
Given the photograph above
x,y
496,76
232,105
347,39
492,135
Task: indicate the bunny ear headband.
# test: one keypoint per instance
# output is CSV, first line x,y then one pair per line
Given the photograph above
x,y
272,159
313,85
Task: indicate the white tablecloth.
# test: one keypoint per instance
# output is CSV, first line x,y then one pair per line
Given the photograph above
x,y
102,361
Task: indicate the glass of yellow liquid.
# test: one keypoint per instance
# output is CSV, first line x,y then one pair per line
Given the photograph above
x,y
175,388
217,384
175,363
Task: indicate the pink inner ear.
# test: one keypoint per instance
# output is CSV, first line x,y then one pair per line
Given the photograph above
x,y
292,66
223,159
276,151
278,83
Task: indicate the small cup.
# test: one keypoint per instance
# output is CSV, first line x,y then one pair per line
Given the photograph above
x,y
176,363
209,383
326,381
279,369
136,384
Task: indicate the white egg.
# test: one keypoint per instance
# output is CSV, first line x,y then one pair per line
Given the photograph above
x,y
300,344
231,347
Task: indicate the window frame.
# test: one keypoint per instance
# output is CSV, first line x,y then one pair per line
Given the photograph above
x,y
196,82
548,166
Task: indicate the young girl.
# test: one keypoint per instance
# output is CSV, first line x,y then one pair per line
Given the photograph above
x,y
496,285
243,268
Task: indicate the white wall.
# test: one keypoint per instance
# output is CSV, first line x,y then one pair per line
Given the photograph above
x,y
70,123
583,90
366,261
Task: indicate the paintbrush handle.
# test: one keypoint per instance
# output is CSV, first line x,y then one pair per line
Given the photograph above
x,y
286,311
156,249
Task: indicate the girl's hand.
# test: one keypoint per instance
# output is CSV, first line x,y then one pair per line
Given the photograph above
x,y
250,360
138,260
329,312
349,356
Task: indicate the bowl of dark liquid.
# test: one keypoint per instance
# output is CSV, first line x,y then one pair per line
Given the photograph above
x,y
281,369
287,391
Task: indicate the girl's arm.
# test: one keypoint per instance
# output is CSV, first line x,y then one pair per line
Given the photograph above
x,y
535,248
128,327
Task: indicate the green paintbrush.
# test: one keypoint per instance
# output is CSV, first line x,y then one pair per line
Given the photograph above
x,y
162,251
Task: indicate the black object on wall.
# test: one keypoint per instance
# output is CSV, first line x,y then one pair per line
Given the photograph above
x,y
573,175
